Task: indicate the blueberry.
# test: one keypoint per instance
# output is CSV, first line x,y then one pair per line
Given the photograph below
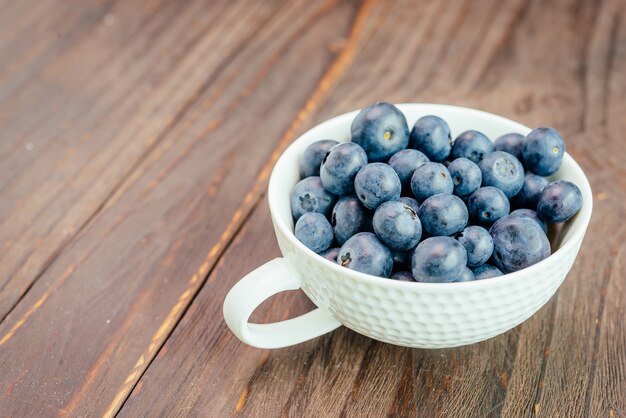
x,y
410,202
340,166
401,259
381,130
487,204
529,213
431,179
466,176
348,218
309,195
314,231
511,143
405,162
438,259
397,225
466,276
472,145
443,214
375,184
477,243
559,201
313,156
486,271
365,253
331,254
543,151
518,242
528,196
502,170
403,276
431,135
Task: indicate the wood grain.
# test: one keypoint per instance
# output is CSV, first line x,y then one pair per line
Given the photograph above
x,y
126,279
517,374
131,203
82,113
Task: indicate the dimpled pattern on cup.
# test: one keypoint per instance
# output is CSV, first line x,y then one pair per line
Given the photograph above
x,y
425,315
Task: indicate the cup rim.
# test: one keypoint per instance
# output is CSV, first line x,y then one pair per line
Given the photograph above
x,y
577,232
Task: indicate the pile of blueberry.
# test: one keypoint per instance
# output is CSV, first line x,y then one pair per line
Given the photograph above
x,y
418,206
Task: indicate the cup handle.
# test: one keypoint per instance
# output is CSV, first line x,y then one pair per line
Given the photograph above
x,y
271,278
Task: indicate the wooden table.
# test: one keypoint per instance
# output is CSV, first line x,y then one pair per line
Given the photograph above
x,y
136,140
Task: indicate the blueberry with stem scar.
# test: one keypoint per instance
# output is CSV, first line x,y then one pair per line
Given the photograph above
x,y
308,195
381,129
543,151
365,253
502,170
472,145
431,179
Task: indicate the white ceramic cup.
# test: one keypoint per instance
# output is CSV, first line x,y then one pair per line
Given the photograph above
x,y
425,315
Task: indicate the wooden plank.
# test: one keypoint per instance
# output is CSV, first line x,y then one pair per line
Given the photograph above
x,y
102,310
606,394
82,110
587,352
451,56
212,337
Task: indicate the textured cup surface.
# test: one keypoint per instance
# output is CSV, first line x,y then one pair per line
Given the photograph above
x,y
427,315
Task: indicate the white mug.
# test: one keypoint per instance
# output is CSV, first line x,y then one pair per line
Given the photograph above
x,y
425,315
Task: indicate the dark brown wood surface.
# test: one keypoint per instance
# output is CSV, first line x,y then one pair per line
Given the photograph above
x,y
136,140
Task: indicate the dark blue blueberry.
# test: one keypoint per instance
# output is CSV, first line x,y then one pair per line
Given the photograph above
x,y
472,145
365,253
339,167
308,195
313,156
529,213
438,259
397,225
431,135
518,242
401,259
405,162
543,151
511,143
348,218
502,170
381,130
466,176
486,271
331,254
528,196
403,276
487,204
477,243
314,231
410,202
559,201
443,214
431,179
375,184
466,276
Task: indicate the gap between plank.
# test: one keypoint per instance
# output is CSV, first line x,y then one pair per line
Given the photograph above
x,y
194,98
328,80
